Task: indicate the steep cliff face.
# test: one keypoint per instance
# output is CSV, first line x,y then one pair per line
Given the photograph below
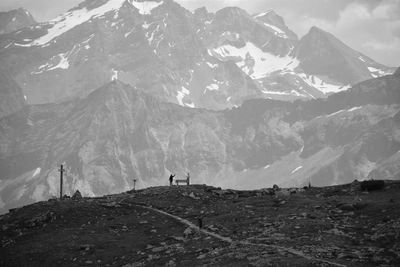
x,y
14,20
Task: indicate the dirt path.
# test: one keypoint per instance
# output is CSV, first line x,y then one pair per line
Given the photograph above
x,y
230,241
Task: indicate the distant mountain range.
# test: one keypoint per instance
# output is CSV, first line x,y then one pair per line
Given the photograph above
x,y
198,59
123,90
118,134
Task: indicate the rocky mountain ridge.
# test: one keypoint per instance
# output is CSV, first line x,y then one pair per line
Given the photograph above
x,y
198,59
118,134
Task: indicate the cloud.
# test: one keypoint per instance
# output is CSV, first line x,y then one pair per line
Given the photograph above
x,y
373,31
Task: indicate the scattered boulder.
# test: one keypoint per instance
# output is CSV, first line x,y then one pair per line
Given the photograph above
x,y
42,219
77,195
275,187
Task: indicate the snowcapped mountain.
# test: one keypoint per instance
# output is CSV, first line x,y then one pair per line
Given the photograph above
x,y
14,20
198,59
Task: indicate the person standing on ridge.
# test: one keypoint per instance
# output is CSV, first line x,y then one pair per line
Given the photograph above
x,y
188,178
171,179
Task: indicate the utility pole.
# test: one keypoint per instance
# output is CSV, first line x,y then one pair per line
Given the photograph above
x,y
61,170
134,184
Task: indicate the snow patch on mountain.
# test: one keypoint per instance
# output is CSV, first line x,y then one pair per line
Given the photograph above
x,y
377,72
37,172
253,61
231,35
339,112
262,14
324,87
114,76
354,109
278,32
74,18
282,93
213,66
59,61
191,105
213,87
335,113
297,169
129,33
145,7
181,94
22,45
62,64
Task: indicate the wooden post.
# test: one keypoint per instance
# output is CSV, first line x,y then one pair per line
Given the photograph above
x,y
61,170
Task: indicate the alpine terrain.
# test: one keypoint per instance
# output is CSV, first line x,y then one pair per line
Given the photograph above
x,y
198,59
125,90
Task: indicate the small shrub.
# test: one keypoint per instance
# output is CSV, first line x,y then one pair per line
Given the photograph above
x,y
372,185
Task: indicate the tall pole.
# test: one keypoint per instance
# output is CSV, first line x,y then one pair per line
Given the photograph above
x,y
61,170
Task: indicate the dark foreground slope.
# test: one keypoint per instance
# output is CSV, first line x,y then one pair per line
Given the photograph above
x,y
338,226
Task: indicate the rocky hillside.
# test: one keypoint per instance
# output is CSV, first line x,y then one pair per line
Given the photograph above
x,y
200,59
14,20
11,96
118,134
332,226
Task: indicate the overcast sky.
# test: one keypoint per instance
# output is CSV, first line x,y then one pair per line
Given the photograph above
x,y
369,26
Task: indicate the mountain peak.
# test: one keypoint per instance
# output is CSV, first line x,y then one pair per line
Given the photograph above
x,y
14,20
272,20
236,11
271,16
314,30
321,52
201,10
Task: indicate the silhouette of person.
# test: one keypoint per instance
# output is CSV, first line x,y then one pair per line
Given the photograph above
x,y
171,179
188,178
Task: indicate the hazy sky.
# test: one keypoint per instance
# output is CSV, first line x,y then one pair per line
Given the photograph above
x,y
369,26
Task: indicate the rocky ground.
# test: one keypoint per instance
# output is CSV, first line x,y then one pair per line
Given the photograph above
x,y
338,226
